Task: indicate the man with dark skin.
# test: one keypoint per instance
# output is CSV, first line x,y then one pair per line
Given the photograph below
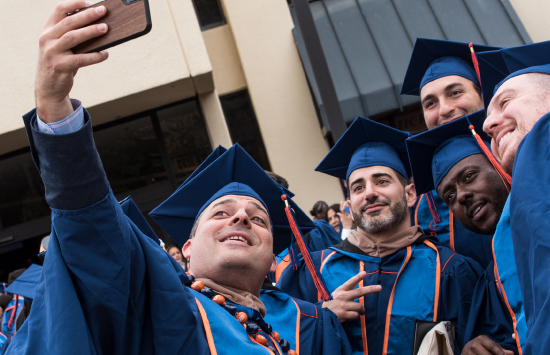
x,y
476,194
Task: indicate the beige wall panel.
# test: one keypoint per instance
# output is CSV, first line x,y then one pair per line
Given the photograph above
x,y
215,120
156,60
226,64
281,97
534,16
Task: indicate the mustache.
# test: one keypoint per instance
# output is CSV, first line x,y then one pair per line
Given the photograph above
x,y
372,202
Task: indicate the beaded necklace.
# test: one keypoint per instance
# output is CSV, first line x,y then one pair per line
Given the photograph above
x,y
252,328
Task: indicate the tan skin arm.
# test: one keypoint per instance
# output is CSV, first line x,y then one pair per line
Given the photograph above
x,y
57,65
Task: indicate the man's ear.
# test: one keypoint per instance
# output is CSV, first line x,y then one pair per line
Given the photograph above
x,y
410,192
186,250
273,264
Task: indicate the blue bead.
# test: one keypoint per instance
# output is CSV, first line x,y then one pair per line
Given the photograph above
x,y
272,349
268,328
208,292
191,278
285,346
252,328
231,309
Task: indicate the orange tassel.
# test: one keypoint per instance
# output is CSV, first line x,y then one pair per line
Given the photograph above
x,y
506,179
474,60
305,253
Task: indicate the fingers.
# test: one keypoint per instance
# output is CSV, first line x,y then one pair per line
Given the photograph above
x,y
73,62
76,21
72,38
362,291
63,8
352,282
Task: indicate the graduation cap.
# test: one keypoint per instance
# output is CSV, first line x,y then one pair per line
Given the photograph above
x,y
132,211
367,143
26,284
232,173
492,69
530,58
433,153
432,59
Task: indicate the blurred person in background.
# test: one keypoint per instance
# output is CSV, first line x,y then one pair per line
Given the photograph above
x,y
334,218
319,211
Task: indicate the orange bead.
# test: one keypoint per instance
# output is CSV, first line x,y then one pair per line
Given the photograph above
x,y
261,339
291,352
197,286
242,317
276,336
219,299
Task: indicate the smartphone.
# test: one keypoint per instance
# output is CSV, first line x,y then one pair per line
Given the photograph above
x,y
126,20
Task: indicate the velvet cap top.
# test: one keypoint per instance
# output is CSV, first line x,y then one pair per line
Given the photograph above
x,y
367,143
432,59
232,173
433,153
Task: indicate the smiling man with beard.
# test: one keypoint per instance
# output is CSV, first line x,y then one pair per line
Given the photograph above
x,y
418,279
450,159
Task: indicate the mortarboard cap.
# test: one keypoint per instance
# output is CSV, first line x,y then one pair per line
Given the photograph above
x,y
367,143
132,211
492,70
233,173
26,284
432,59
433,153
530,58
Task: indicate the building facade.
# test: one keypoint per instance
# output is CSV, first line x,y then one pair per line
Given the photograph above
x,y
211,72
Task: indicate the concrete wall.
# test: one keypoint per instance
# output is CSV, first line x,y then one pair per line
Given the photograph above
x,y
281,97
254,51
171,64
534,16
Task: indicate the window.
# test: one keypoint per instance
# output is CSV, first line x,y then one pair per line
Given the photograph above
x,y
210,13
185,137
243,126
130,154
21,189
144,156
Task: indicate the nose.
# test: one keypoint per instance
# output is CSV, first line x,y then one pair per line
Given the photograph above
x,y
491,125
445,109
463,195
370,191
241,218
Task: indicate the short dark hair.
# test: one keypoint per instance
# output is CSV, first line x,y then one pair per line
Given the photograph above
x,y
278,179
477,88
335,207
319,206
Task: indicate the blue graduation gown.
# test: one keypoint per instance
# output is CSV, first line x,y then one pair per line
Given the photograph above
x,y
458,277
14,308
462,240
530,224
303,324
489,314
106,287
323,236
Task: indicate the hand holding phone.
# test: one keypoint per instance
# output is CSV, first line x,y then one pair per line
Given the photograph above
x,y
57,64
126,19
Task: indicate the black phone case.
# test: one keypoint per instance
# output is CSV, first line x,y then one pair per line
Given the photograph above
x,y
126,20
